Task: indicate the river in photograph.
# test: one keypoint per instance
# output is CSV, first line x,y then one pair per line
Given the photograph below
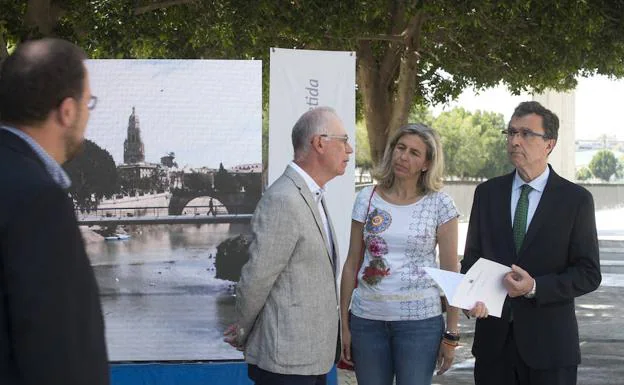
x,y
160,297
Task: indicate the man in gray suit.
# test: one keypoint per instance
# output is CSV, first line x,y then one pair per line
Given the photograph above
x,y
287,302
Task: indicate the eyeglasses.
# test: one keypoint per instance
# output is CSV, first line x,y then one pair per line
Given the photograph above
x,y
342,138
92,102
524,133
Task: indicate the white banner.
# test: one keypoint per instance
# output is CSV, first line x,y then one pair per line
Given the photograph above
x,y
301,80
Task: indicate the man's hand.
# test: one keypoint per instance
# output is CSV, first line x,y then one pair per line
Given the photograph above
x,y
517,282
231,336
346,347
479,310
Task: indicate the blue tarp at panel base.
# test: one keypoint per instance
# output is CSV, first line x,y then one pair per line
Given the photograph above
x,y
202,373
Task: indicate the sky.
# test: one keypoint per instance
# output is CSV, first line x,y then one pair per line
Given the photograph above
x,y
205,111
598,102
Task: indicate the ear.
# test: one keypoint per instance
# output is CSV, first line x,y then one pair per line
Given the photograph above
x,y
67,111
318,144
550,145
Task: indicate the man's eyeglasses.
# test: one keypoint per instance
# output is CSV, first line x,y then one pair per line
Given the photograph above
x,y
524,133
342,138
92,102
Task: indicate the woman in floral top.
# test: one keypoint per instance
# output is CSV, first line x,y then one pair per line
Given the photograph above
x,y
392,321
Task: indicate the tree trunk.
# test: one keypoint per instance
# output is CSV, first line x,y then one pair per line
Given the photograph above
x,y
42,16
376,102
388,97
4,53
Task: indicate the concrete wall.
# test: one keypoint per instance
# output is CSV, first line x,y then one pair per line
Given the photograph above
x,y
606,196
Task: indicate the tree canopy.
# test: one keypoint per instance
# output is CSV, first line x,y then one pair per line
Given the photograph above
x,y
93,174
407,51
604,165
473,144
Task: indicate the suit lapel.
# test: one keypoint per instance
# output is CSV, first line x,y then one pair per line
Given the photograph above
x,y
545,209
311,203
334,250
503,205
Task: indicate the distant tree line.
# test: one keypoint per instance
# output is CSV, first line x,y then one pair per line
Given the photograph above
x,y
473,144
94,177
604,166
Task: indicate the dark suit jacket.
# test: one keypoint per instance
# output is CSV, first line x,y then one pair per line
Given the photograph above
x,y
560,251
51,325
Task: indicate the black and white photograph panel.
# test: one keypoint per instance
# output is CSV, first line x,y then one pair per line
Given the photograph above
x,y
164,189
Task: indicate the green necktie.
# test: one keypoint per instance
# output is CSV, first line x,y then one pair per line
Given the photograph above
x,y
520,217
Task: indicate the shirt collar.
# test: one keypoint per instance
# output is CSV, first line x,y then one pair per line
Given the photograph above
x,y
55,170
538,183
316,190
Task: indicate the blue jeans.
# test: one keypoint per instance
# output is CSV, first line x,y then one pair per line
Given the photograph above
x,y
383,349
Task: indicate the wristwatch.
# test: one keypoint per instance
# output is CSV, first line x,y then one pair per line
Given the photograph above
x,y
531,294
452,335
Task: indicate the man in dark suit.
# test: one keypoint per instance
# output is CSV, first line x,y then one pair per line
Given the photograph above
x,y
51,325
544,227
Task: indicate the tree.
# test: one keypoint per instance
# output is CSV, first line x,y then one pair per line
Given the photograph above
x,y
603,165
362,148
408,51
460,140
619,173
224,181
94,176
420,113
583,174
493,144
473,144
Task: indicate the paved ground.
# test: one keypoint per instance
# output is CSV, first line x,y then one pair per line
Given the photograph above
x,y
601,327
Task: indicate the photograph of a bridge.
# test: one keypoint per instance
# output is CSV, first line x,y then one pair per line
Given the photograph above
x,y
164,191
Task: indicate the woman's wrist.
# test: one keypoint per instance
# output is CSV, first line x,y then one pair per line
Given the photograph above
x,y
451,337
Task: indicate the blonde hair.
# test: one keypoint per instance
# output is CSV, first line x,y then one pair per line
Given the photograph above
x,y
429,180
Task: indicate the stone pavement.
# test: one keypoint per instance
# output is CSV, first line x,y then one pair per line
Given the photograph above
x,y
601,327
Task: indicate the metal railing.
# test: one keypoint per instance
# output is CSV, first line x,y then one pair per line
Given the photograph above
x,y
160,215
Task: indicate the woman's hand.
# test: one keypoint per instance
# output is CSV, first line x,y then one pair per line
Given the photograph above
x,y
445,357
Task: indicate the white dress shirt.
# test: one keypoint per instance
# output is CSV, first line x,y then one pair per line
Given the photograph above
x,y
318,193
538,184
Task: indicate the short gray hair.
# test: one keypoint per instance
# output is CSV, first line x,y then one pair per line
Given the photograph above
x,y
312,122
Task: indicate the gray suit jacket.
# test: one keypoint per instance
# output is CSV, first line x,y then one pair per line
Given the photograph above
x,y
287,302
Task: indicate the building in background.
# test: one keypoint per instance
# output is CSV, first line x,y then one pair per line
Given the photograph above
x,y
563,104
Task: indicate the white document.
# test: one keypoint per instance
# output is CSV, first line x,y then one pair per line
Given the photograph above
x,y
483,282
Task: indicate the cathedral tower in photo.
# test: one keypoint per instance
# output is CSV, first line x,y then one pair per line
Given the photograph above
x,y
134,152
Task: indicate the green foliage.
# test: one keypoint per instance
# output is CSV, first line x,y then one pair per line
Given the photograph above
x,y
603,165
473,145
420,113
408,51
619,172
583,174
94,176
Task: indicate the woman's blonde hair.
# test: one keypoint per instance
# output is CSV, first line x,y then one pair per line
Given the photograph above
x,y
429,180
